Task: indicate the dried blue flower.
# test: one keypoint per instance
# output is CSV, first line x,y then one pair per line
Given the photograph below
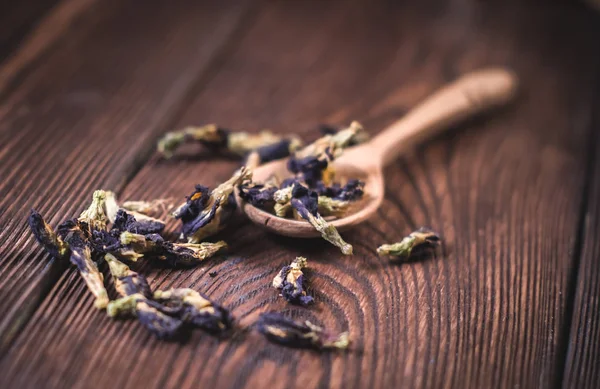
x,y
195,308
332,207
154,246
352,191
136,301
306,203
313,163
360,137
405,249
127,222
268,145
278,150
195,203
290,282
205,217
46,236
310,168
276,328
258,195
77,234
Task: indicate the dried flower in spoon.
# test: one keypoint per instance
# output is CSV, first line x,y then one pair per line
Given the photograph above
x,y
305,202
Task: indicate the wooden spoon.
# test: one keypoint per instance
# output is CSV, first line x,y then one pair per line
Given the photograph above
x,y
469,95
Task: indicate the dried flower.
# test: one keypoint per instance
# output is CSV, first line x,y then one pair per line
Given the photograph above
x,y
46,236
312,163
281,149
360,137
305,202
332,207
353,190
125,221
112,210
136,301
403,250
203,216
290,281
195,308
96,215
268,145
259,195
76,233
175,254
278,329
283,198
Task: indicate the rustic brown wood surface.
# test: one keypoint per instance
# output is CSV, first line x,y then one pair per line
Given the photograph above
x,y
506,303
582,368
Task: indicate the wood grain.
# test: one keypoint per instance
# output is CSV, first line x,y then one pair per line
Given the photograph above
x,y
85,117
42,37
17,20
505,192
582,370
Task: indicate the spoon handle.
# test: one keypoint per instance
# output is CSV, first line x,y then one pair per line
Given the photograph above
x,y
471,94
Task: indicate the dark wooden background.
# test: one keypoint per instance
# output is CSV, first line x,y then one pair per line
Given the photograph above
x,y
86,87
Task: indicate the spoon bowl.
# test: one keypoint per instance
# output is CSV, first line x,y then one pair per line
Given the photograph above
x,y
471,94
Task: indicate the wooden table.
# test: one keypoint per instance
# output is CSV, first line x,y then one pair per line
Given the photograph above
x,y
513,298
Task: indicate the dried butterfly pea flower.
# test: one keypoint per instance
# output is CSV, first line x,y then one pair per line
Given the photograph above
x,y
259,195
268,145
403,250
136,301
125,221
209,135
332,207
204,217
305,202
290,280
77,234
278,150
331,146
96,215
110,241
352,191
276,328
112,210
153,245
127,282
283,198
311,168
360,137
194,308
46,236
312,163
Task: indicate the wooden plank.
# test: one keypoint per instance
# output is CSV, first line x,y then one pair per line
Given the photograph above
x,y
582,370
32,45
86,118
17,19
504,192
